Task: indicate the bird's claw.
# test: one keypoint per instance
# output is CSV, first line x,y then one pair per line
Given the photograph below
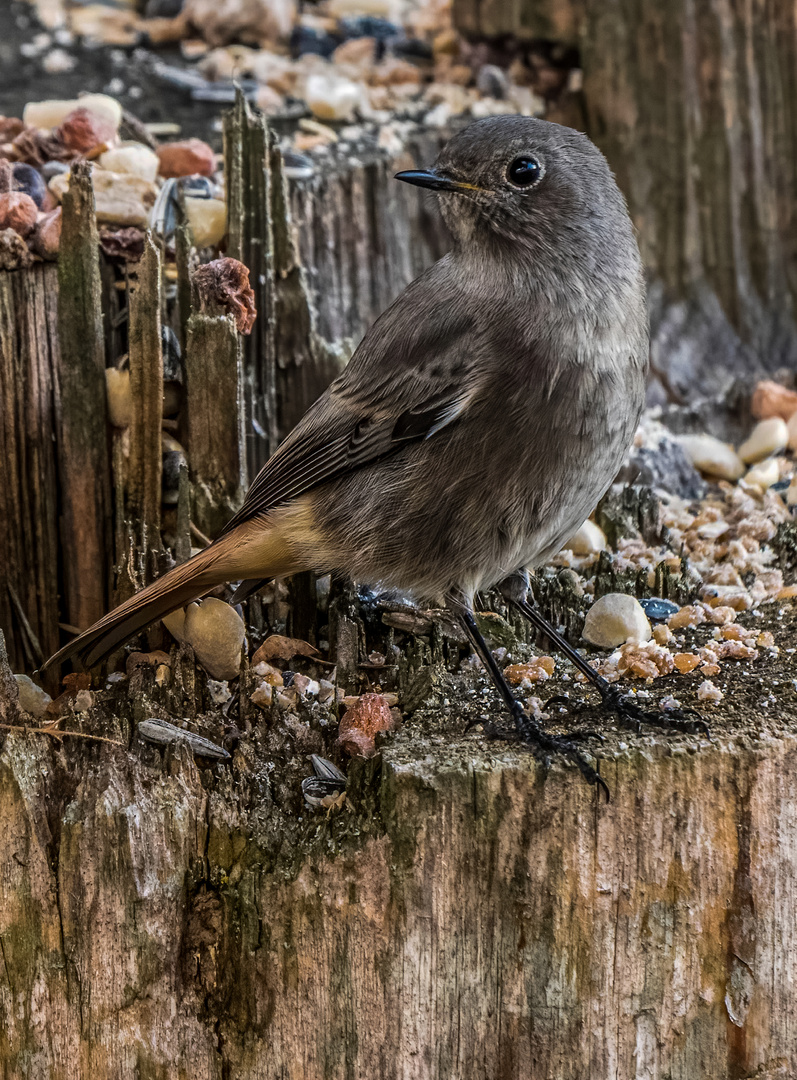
x,y
548,745
633,715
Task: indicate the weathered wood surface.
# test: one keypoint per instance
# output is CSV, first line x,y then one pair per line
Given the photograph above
x,y
83,458
29,560
363,236
467,917
146,392
693,106
359,236
214,418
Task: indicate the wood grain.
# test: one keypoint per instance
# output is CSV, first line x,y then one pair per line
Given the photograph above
x,y
467,917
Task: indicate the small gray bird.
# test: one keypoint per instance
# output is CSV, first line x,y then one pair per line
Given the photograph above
x,y
482,416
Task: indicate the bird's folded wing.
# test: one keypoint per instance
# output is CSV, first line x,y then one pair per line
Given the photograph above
x,y
347,429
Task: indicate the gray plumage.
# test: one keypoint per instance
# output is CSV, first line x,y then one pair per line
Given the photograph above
x,y
483,414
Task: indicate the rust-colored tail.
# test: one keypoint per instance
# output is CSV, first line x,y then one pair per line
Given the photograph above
x,y
233,556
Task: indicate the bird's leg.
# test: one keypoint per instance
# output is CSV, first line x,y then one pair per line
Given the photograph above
x,y
614,698
528,728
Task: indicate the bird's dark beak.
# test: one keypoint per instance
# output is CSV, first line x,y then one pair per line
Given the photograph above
x,y
429,178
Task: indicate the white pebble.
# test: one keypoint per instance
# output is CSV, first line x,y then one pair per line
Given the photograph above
x,y
707,691
32,699
713,530
767,437
120,199
120,402
389,9
330,97
208,221
712,456
587,540
791,429
131,158
215,631
58,62
307,687
763,475
49,114
615,619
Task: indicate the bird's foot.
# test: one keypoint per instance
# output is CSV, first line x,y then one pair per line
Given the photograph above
x,y
565,745
632,715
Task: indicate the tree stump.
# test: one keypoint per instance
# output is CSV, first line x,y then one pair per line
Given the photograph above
x,y
466,916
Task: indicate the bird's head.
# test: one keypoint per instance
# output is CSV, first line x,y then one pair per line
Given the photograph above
x,y
521,179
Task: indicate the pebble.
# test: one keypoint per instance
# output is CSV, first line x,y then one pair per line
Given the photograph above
x,y
32,699
208,220
331,97
708,692
307,687
29,181
788,592
342,9
269,673
713,530
54,168
133,159
662,634
492,82
18,212
538,669
767,437
614,619
763,475
215,631
46,238
50,114
369,26
658,609
658,460
120,199
589,539
791,430
262,695
686,662
712,456
188,157
311,41
162,9
396,72
173,462
58,62
82,130
118,396
772,399
361,722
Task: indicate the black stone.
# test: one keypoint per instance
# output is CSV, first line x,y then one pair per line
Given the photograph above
x,y
657,610
30,182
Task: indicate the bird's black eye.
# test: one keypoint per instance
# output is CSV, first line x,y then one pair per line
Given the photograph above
x,y
524,172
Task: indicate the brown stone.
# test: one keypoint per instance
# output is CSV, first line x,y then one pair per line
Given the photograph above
x,y
186,158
